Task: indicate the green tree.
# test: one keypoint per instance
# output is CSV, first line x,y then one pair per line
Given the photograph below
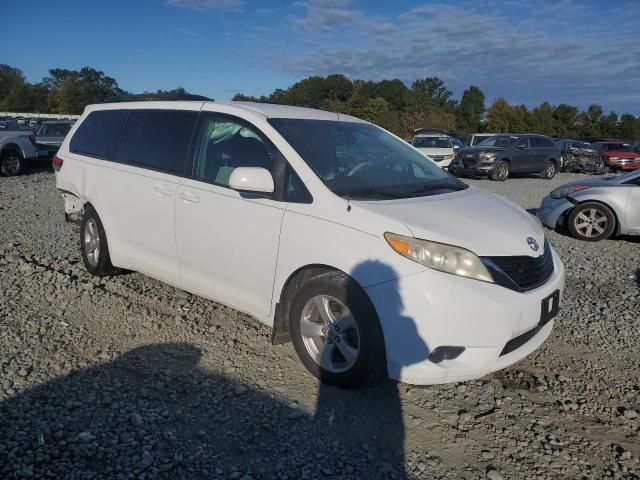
x,y
435,91
11,79
470,110
542,119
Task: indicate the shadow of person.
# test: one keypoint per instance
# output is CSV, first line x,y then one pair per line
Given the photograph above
x,y
371,417
156,412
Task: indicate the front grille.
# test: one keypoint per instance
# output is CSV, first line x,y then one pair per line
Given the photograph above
x,y
521,273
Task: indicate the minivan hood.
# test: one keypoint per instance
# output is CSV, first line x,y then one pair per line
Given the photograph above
x,y
480,221
436,151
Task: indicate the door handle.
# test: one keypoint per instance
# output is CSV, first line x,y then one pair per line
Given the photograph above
x,y
162,190
189,197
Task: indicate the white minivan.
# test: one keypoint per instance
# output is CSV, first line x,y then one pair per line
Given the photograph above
x,y
343,238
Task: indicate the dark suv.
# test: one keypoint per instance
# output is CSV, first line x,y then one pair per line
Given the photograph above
x,y
499,156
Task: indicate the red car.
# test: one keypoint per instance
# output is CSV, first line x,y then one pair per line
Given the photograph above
x,y
618,155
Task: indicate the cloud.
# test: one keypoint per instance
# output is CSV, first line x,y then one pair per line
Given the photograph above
x,y
551,51
206,4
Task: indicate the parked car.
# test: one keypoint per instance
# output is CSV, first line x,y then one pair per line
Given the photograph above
x,y
334,232
580,156
595,209
439,148
476,138
618,155
50,136
499,156
16,146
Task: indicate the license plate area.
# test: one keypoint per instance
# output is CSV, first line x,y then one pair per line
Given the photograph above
x,y
549,307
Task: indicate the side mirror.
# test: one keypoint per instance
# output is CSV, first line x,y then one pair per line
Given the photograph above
x,y
251,179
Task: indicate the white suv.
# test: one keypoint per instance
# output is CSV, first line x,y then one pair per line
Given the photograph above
x,y
339,235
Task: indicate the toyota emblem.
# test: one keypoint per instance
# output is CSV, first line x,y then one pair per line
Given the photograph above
x,y
533,243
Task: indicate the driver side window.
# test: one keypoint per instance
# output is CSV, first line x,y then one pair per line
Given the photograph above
x,y
523,143
225,144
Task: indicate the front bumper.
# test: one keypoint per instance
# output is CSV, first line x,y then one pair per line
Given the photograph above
x,y
551,209
422,312
624,164
479,170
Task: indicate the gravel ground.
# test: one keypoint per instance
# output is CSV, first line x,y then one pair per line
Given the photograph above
x,y
125,377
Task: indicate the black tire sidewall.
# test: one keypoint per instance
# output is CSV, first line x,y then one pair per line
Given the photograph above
x,y
371,361
104,266
5,157
611,221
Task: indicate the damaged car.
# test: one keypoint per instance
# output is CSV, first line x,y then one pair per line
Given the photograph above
x,y
580,157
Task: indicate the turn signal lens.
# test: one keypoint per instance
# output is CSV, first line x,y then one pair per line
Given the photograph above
x,y
440,256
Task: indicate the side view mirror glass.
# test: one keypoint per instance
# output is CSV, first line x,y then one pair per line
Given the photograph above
x,y
252,179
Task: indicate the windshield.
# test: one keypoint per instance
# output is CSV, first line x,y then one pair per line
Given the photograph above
x,y
617,147
497,141
360,160
432,142
585,145
54,129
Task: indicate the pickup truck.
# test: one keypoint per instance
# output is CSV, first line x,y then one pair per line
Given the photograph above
x,y
16,146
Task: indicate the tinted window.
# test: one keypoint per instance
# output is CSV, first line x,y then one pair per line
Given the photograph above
x,y
157,139
296,192
54,129
224,144
99,133
538,142
523,143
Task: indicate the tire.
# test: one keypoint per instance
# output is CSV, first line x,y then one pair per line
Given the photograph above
x,y
12,163
93,245
550,170
591,221
502,171
360,335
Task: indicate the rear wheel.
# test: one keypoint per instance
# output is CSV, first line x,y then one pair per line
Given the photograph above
x,y
336,332
11,163
549,170
502,171
592,222
93,245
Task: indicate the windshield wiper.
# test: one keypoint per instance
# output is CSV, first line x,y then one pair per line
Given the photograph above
x,y
367,192
430,188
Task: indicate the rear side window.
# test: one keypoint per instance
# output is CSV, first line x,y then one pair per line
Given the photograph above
x,y
99,133
537,142
157,139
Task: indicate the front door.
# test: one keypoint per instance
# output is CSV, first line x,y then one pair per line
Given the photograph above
x,y
632,213
521,156
228,241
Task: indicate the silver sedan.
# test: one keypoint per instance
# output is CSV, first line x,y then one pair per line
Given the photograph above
x,y
593,210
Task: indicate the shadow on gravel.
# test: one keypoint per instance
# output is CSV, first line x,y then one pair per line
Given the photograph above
x,y
36,166
638,277
153,413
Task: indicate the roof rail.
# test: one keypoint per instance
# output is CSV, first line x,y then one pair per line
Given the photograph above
x,y
157,97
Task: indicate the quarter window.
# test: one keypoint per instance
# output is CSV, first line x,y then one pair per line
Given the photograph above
x,y
157,139
98,134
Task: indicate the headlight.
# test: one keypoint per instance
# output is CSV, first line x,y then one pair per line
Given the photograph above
x,y
614,158
562,192
440,256
488,154
449,157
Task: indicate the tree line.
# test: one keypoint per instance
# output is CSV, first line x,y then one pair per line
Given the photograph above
x,y
392,104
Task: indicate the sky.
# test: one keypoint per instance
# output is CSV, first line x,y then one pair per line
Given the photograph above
x,y
529,51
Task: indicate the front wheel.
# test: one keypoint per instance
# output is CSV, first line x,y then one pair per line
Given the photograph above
x,y
502,171
591,221
11,163
336,332
549,170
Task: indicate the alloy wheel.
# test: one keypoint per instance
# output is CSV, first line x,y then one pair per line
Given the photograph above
x,y
92,242
330,333
12,164
591,222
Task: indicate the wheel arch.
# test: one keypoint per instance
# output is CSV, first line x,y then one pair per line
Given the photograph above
x,y
616,230
280,330
12,147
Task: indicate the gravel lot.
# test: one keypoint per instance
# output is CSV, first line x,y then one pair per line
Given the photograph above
x,y
128,378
